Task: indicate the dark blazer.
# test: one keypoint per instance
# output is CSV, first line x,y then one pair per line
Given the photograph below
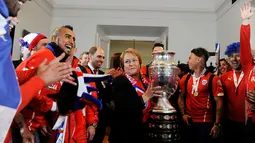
x,y
127,125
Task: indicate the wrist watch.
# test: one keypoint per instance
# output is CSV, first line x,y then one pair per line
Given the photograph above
x,y
94,125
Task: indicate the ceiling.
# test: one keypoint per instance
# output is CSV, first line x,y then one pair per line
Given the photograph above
x,y
162,5
141,31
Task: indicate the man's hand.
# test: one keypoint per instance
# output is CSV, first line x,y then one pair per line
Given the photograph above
x,y
246,11
215,131
45,130
27,136
114,72
187,119
55,71
91,133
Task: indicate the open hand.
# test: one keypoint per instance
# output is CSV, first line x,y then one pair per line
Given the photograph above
x,y
55,71
246,10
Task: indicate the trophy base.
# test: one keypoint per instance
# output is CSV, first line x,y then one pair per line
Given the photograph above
x,y
163,127
163,111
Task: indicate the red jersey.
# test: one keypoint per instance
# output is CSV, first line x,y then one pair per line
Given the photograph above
x,y
235,95
246,60
76,127
198,104
35,111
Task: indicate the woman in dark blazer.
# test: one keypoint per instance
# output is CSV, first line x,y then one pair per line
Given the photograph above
x,y
131,94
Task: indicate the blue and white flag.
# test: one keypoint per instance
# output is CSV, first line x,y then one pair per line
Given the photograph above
x,y
83,92
9,88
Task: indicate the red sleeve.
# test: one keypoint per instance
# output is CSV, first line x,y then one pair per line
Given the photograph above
x,y
182,83
27,92
32,63
91,113
25,75
245,48
223,78
217,87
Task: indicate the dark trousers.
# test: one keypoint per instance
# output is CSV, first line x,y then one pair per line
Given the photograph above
x,y
249,131
198,133
233,131
101,127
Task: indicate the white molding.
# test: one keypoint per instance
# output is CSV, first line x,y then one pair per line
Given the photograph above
x,y
46,5
133,8
224,8
132,38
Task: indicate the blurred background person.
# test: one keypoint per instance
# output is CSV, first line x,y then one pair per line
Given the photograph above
x,y
84,58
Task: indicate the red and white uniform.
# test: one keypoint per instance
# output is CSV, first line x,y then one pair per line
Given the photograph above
x,y
235,89
246,59
35,111
199,107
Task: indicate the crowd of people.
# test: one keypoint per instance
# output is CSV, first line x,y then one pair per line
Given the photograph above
x,y
61,98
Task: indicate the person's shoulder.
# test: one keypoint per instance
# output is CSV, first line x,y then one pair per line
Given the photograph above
x,y
226,74
120,80
100,72
184,77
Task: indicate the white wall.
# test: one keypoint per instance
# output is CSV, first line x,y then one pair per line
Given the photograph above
x,y
228,24
187,30
34,16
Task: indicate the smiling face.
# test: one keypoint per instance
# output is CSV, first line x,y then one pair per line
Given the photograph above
x,y
97,59
235,61
84,59
65,40
224,66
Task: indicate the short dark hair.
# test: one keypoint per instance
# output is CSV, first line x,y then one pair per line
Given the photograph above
x,y
115,61
184,67
201,52
158,45
68,27
93,50
84,53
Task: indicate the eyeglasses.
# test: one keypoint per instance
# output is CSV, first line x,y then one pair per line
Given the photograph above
x,y
130,60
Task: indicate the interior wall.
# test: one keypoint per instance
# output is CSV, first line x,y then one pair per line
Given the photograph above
x,y
34,16
144,47
187,30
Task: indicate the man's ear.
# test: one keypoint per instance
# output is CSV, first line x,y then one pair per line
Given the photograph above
x,y
54,38
90,56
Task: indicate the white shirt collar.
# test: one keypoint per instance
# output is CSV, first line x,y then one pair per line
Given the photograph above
x,y
91,67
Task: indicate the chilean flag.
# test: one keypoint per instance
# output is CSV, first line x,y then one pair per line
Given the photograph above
x,y
9,88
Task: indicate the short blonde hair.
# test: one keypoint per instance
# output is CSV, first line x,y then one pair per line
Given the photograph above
x,y
132,52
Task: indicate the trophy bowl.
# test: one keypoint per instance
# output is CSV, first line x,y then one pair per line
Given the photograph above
x,y
164,73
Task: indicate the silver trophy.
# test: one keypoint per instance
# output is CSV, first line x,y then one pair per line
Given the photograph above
x,y
163,72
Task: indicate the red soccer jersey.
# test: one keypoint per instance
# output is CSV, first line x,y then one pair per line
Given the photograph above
x,y
246,60
200,107
235,96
